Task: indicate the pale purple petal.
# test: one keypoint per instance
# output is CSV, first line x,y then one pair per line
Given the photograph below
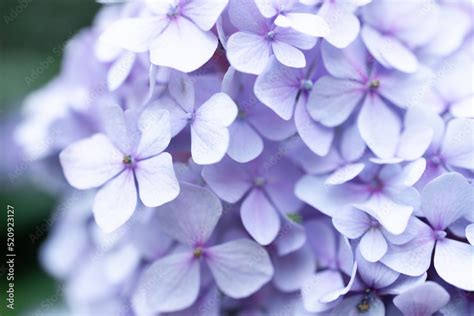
x,y
115,202
192,216
134,34
309,24
293,269
316,136
277,87
458,148
245,143
379,126
423,300
446,199
171,48
260,217
209,133
351,222
373,245
288,55
345,173
333,100
347,63
318,285
344,26
389,51
155,133
248,52
240,267
171,283
204,13
414,257
454,261
90,162
375,275
217,177
157,183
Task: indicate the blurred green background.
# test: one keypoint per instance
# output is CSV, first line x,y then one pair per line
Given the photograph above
x,y
30,30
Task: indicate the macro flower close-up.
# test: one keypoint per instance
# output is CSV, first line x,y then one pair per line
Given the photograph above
x,y
237,157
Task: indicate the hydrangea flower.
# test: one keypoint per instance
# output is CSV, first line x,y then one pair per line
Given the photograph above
x,y
209,121
444,200
249,49
169,31
239,267
326,176
267,189
113,164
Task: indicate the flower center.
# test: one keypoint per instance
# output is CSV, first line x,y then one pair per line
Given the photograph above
x,y
374,84
364,304
439,234
270,35
306,85
259,181
127,160
197,253
173,12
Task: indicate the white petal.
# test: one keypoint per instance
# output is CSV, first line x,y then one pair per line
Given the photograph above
x,y
454,262
157,183
310,24
343,24
204,12
115,202
470,233
173,46
90,162
134,34
220,109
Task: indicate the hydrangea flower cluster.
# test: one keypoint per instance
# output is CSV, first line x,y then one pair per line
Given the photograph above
x,y
263,157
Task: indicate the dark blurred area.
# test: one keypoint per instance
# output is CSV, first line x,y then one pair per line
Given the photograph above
x,y
32,34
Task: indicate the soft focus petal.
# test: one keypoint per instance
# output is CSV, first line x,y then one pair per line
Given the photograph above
x,y
458,148
351,222
293,269
345,173
318,285
310,24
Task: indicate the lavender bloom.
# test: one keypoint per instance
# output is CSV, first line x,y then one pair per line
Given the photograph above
x,y
169,30
239,267
113,164
230,163
267,187
249,50
444,200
